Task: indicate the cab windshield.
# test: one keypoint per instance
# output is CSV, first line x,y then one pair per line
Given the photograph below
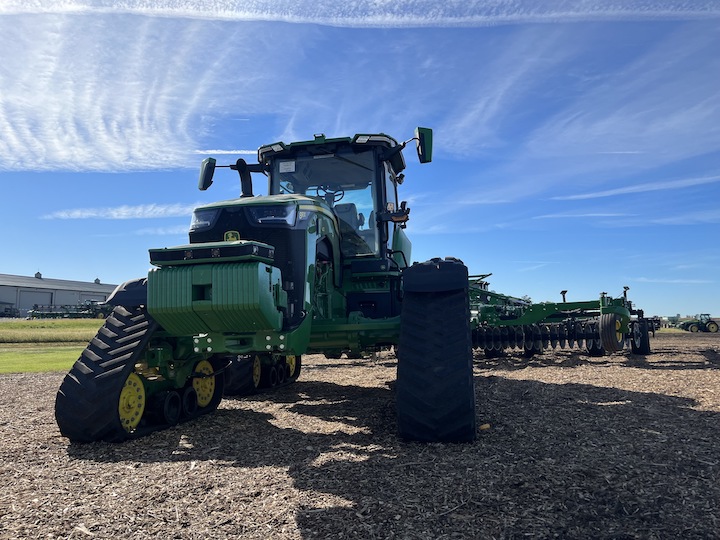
x,y
344,180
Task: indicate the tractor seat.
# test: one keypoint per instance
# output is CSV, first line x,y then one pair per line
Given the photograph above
x,y
348,213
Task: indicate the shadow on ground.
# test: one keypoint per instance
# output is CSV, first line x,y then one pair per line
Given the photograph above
x,y
566,461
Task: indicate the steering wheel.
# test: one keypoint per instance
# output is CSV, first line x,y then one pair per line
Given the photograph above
x,y
329,194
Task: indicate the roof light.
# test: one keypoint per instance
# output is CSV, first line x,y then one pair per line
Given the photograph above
x,y
269,148
363,139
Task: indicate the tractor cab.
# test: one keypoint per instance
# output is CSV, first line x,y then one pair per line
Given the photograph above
x,y
332,216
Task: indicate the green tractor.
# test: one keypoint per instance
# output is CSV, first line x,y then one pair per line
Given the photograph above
x,y
701,323
321,264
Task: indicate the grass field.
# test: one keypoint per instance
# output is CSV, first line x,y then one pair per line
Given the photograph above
x,y
54,344
43,344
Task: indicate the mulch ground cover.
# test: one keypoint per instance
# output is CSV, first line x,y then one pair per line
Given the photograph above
x,y
568,446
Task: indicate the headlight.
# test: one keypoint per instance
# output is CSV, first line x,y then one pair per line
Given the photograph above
x,y
203,219
274,214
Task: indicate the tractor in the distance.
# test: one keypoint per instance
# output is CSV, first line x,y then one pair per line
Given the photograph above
x,y
701,323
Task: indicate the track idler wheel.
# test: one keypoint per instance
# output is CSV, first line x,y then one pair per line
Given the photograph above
x,y
165,408
293,363
280,368
269,376
189,402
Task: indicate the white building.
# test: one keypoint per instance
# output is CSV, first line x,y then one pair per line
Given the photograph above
x,y
24,292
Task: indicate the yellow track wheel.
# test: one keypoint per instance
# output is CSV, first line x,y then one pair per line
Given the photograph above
x,y
204,386
256,372
291,363
131,405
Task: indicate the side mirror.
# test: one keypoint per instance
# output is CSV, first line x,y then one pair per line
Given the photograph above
x,y
423,138
207,169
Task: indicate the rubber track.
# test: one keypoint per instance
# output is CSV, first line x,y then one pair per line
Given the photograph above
x,y
435,388
86,406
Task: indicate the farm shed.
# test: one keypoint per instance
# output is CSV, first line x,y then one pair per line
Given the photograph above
x,y
23,292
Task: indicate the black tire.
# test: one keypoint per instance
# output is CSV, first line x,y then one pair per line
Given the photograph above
x,y
610,336
640,337
711,327
694,328
435,390
86,405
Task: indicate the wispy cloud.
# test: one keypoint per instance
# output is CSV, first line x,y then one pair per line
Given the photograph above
x,y
144,85
533,267
369,13
642,188
231,152
690,218
143,211
580,216
672,281
162,231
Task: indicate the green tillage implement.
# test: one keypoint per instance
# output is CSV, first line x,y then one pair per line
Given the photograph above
x,y
503,322
321,264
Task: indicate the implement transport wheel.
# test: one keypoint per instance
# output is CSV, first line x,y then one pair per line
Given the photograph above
x,y
640,337
711,326
611,335
435,392
208,386
99,396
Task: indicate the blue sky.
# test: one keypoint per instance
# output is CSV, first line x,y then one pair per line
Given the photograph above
x,y
577,146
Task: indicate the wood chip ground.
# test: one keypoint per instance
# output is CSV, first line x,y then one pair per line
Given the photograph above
x,y
570,447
